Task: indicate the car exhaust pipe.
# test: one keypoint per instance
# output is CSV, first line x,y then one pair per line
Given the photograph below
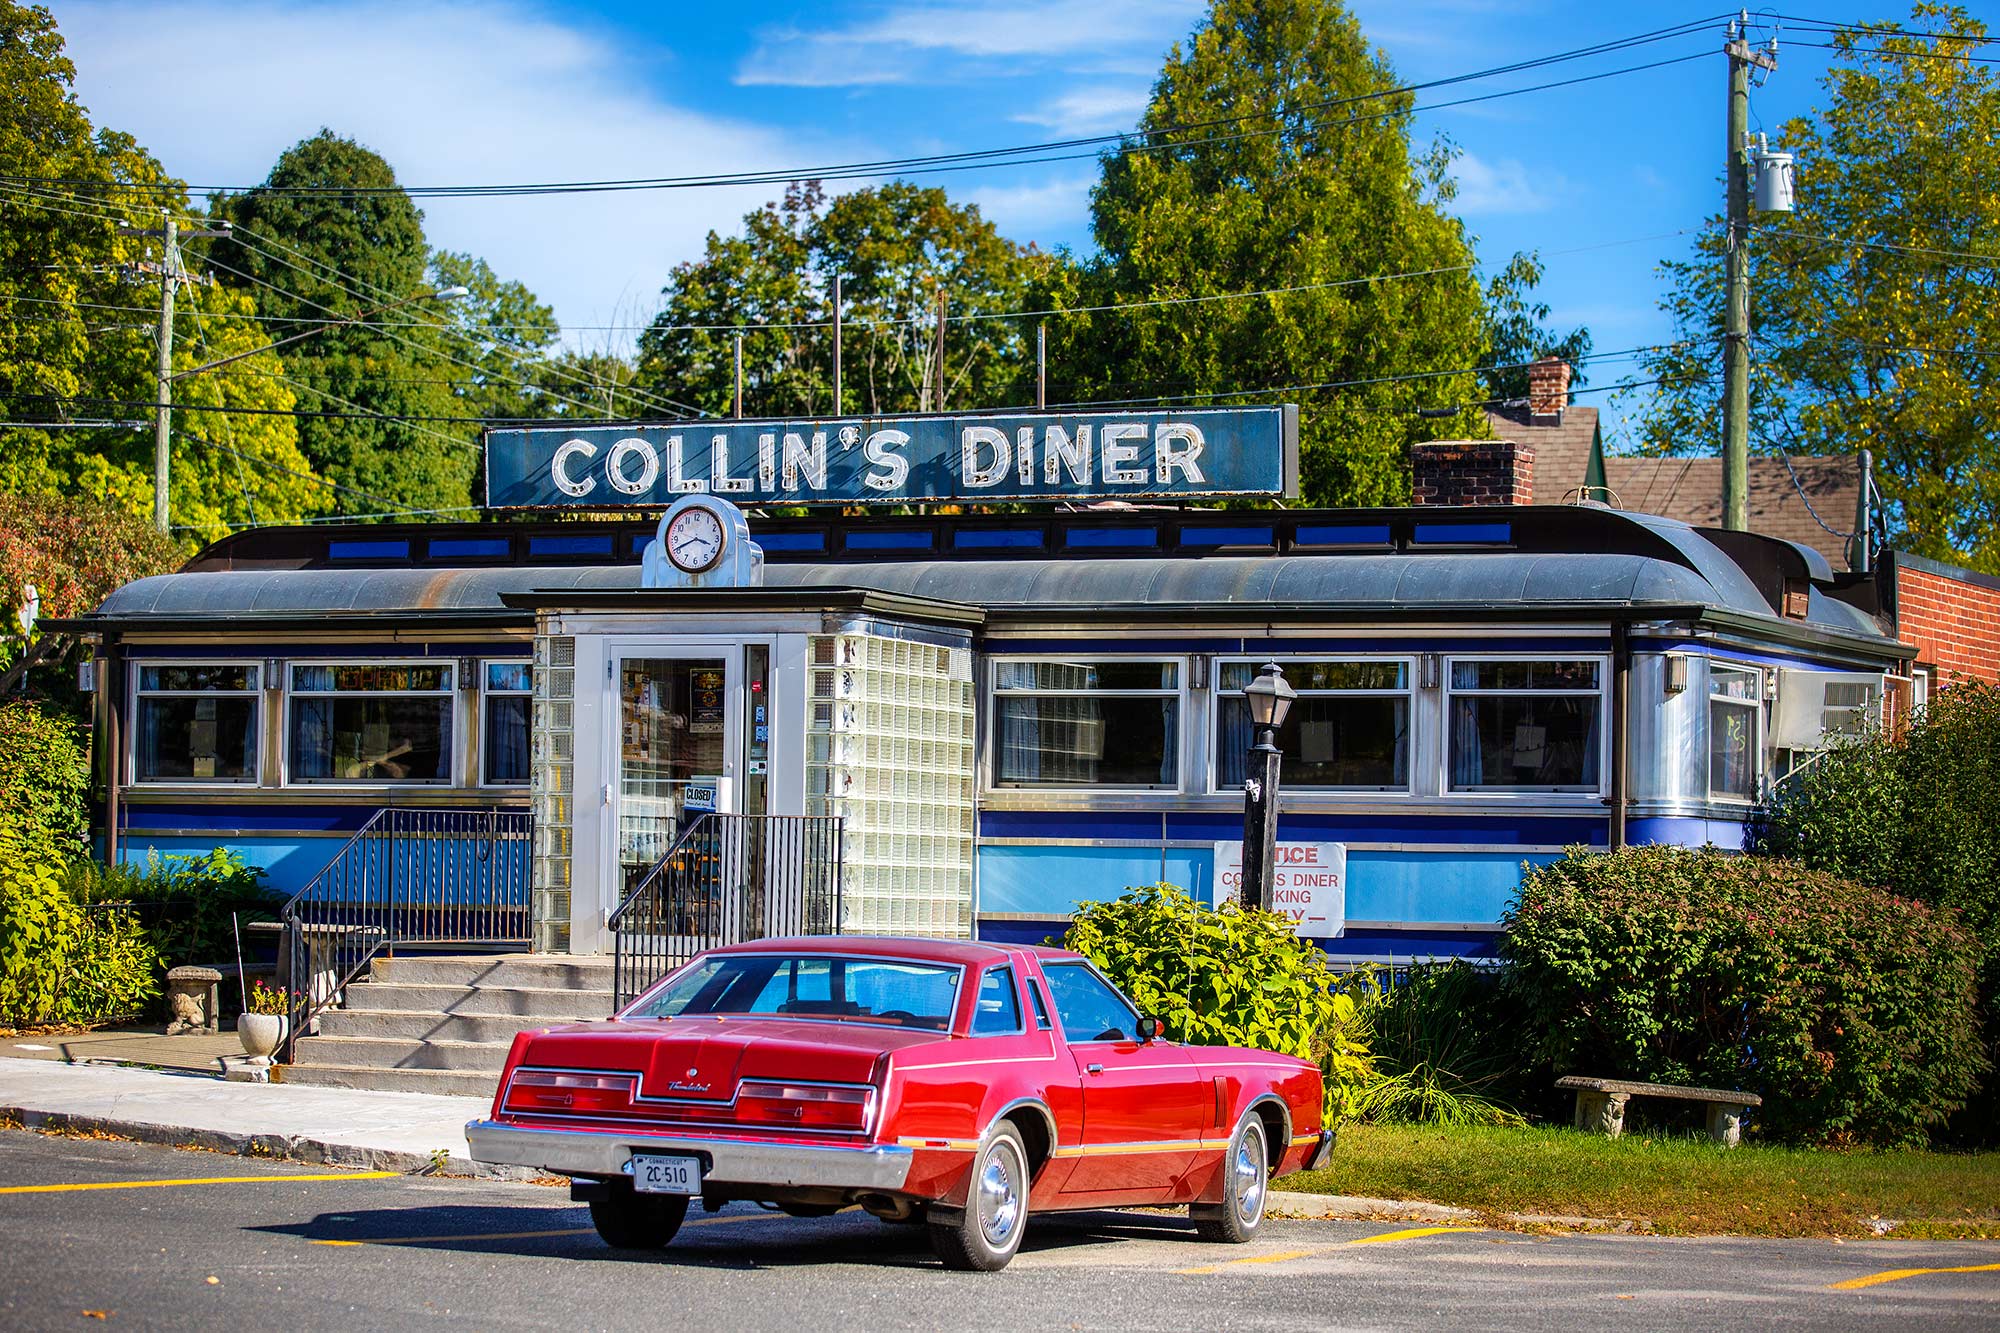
x,y
888,1207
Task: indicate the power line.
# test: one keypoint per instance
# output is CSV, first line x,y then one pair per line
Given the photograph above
x,y
1004,156
1880,245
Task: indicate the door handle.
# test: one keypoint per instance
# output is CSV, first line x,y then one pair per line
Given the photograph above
x,y
1094,1069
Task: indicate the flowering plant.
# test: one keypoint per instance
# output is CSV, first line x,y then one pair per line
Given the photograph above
x,y
271,999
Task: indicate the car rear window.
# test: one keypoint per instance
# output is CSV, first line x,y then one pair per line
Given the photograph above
x,y
843,989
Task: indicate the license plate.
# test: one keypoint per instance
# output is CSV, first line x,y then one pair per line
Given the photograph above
x,y
666,1175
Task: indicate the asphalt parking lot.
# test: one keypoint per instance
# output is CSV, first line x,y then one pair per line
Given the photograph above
x,y
146,1237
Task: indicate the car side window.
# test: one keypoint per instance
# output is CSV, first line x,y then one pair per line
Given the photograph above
x,y
1090,1010
999,1008
1041,1009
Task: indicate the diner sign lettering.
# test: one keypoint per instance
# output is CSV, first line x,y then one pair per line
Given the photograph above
x,y
1187,454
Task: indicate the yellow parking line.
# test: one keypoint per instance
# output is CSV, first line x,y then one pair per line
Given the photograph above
x,y
531,1235
1253,1259
1414,1233
1898,1274
202,1180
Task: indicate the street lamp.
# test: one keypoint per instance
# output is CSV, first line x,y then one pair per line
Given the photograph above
x,y
1270,698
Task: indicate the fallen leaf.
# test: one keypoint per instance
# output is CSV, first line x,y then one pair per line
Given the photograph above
x,y
96,1314
213,1280
1623,1297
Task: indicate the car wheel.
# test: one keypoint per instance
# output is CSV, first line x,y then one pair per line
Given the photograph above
x,y
1246,1173
996,1208
629,1220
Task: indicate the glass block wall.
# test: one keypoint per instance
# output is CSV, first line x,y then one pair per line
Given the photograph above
x,y
552,790
889,747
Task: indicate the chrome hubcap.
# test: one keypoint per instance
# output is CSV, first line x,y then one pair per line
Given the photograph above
x,y
1248,1176
999,1195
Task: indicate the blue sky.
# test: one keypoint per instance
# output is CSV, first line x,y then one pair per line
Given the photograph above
x,y
1598,177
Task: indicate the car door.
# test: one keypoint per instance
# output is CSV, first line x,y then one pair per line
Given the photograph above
x,y
1144,1105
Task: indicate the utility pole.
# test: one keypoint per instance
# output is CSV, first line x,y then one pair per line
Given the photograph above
x,y
1736,299
837,410
170,277
1041,366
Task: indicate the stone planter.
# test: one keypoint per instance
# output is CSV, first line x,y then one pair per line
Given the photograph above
x,y
261,1034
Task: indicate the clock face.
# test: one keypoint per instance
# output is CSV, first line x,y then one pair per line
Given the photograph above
x,y
695,539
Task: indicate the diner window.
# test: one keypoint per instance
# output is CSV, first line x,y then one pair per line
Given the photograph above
x,y
1735,732
506,700
1086,723
1520,725
388,722
1349,727
196,723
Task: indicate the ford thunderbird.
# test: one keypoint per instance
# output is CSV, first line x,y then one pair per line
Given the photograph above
x,y
962,1086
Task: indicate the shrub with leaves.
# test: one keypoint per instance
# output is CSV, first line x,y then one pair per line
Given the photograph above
x,y
190,905
61,962
1226,977
1443,1049
44,771
1849,1009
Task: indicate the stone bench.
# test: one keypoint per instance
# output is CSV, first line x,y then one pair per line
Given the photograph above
x,y
1600,1105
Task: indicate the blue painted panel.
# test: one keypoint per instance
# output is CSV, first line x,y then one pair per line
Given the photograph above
x,y
380,550
1445,827
876,540
364,651
218,813
569,545
997,539
289,863
1249,536
1053,880
1097,538
1342,534
1232,643
1462,534
469,548
1417,887
1730,835
1372,944
791,541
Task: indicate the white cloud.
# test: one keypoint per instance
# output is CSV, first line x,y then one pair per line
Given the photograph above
x,y
1090,110
916,41
448,93
1057,206
1502,186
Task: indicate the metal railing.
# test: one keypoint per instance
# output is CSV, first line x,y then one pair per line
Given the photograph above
x,y
727,878
426,877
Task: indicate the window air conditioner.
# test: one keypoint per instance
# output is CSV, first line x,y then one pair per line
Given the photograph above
x,y
1815,705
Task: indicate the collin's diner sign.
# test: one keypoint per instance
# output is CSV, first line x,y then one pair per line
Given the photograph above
x,y
1024,456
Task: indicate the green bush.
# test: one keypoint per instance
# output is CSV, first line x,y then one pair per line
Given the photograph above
x,y
1849,1009
1226,977
45,771
1443,1051
186,903
61,962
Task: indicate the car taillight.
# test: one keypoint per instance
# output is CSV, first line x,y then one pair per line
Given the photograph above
x,y
805,1105
559,1090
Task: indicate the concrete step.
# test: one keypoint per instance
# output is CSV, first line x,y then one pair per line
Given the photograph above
x,y
535,971
400,1053
429,1025
524,1001
441,1082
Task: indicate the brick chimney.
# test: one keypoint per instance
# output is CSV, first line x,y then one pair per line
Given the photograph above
x,y
1472,472
1548,390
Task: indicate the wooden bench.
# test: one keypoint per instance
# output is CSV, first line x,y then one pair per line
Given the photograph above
x,y
1600,1105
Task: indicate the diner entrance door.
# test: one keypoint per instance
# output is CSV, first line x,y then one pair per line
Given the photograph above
x,y
677,751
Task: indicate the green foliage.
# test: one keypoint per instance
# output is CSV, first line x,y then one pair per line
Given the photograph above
x,y
1226,977
1442,1051
1517,332
899,250
1857,305
1850,1010
270,999
61,962
190,904
44,773
1337,197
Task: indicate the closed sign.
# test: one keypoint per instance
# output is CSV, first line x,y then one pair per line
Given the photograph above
x,y
1308,884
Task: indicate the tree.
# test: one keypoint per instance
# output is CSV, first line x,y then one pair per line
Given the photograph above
x,y
1862,300
1517,332
330,234
904,253
1274,157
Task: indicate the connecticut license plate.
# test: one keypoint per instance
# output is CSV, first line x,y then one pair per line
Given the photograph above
x,y
666,1175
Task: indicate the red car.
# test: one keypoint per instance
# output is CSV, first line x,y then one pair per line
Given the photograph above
x,y
960,1085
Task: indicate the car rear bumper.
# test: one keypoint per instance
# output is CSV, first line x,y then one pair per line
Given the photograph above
x,y
1321,1151
734,1161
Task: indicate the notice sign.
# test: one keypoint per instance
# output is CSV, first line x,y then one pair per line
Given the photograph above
x,y
1309,884
1188,454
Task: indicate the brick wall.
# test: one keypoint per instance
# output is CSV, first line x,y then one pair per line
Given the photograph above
x,y
1952,615
1472,472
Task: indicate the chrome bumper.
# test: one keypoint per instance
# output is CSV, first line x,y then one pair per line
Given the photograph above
x,y
734,1161
1322,1152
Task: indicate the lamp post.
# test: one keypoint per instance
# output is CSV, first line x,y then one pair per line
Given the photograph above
x,y
1270,698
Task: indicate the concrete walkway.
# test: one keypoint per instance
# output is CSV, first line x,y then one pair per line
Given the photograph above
x,y
391,1131
201,1052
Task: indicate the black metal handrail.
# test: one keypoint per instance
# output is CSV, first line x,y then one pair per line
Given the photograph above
x,y
727,878
406,877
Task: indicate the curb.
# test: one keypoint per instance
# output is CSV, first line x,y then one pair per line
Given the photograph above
x,y
276,1147
1293,1204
